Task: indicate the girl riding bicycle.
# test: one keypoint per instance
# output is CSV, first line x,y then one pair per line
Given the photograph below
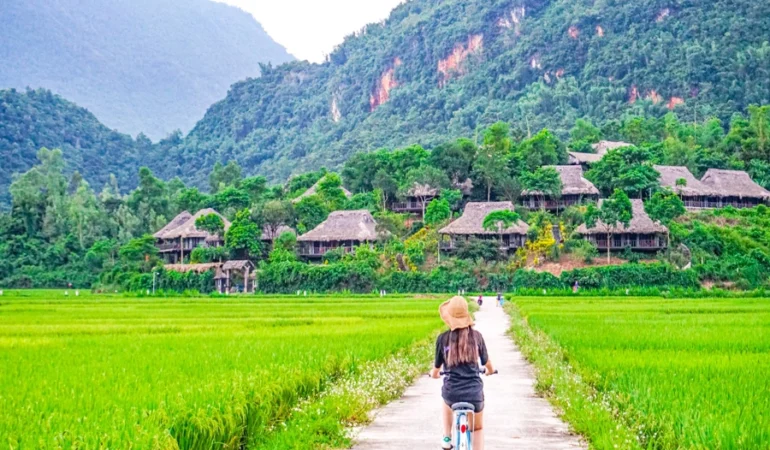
x,y
459,352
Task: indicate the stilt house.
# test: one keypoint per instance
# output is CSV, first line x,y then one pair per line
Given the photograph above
x,y
471,226
342,229
180,237
575,190
733,188
642,234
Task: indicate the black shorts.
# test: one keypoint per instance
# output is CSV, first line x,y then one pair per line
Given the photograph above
x,y
477,406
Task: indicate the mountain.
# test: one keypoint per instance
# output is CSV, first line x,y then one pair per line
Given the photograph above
x,y
34,119
149,66
439,69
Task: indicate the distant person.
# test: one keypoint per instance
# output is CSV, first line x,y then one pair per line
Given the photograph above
x,y
458,352
576,287
480,301
500,299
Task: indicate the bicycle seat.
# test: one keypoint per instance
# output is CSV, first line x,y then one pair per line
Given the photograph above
x,y
463,406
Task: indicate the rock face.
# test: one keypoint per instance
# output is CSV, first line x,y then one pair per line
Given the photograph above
x,y
453,66
385,84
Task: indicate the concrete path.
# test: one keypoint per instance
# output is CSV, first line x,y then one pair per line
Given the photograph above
x,y
514,417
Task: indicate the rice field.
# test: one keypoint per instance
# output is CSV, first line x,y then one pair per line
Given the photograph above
x,y
680,374
189,373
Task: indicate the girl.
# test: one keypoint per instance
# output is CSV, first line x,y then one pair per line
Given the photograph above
x,y
459,351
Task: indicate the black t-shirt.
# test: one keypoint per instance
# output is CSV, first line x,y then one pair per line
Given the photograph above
x,y
463,384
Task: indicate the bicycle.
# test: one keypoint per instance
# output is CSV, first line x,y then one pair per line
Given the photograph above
x,y
463,413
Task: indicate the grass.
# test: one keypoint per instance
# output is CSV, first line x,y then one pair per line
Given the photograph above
x,y
99,371
653,373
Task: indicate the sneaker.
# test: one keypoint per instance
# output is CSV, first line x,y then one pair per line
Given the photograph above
x,y
446,443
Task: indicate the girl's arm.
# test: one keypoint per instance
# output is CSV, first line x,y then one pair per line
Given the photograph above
x,y
490,367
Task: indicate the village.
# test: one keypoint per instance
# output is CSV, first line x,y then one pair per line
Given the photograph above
x,y
346,230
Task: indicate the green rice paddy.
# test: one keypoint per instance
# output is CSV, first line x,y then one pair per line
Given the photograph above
x,y
680,374
193,373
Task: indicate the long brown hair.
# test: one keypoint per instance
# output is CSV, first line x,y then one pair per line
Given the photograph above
x,y
462,347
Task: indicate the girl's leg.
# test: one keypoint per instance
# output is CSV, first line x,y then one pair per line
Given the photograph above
x,y
478,431
446,416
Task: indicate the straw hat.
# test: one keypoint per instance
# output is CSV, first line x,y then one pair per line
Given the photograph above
x,y
454,313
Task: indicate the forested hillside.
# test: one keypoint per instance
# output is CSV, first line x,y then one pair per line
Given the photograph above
x,y
441,69
35,119
149,66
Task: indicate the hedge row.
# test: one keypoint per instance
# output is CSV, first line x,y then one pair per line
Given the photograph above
x,y
289,277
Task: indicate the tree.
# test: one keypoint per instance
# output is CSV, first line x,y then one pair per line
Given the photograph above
x,y
543,149
385,182
311,211
438,212
455,159
231,198
276,214
211,223
423,183
330,191
139,254
614,212
225,176
493,156
500,221
244,236
544,182
84,211
665,206
626,168
582,135
255,187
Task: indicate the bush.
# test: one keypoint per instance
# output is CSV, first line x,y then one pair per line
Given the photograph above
x,y
631,275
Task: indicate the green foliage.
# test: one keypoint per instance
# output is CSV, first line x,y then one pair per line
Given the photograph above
x,y
545,181
243,237
438,212
203,255
625,168
664,206
211,223
500,220
311,211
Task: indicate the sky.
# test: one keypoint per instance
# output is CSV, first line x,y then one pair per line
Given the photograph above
x,y
310,29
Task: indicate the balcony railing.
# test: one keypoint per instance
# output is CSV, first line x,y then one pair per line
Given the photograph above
x,y
550,204
644,244
406,206
504,246
320,251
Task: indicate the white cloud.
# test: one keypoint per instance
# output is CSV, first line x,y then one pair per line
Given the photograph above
x,y
310,29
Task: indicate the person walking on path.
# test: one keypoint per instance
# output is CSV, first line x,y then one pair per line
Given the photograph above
x,y
458,352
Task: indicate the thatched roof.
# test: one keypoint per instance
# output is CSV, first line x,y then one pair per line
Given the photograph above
x,y
733,183
198,268
175,223
584,158
344,226
472,220
237,265
641,223
267,235
183,225
314,188
422,190
669,175
572,182
601,148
